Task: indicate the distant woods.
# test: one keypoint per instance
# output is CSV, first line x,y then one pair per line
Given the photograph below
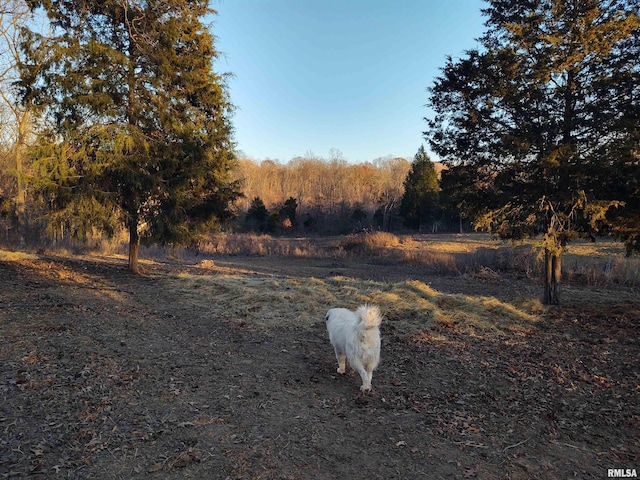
x,y
310,194
332,196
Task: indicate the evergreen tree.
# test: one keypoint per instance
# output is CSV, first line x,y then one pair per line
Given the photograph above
x,y
257,215
419,202
138,122
288,211
461,192
542,117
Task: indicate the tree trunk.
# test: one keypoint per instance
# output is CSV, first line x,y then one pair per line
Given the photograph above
x,y
20,195
552,274
134,244
134,236
23,129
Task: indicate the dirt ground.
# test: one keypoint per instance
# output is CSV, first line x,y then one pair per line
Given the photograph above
x,y
105,374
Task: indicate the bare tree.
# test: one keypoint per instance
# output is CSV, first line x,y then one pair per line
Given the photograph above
x,y
16,125
393,171
330,189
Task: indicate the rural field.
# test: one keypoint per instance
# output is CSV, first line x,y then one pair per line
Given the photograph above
x,y
216,363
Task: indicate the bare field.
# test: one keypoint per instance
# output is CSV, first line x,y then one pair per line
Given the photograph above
x,y
218,366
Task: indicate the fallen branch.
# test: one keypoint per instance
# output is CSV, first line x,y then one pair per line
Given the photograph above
x,y
516,444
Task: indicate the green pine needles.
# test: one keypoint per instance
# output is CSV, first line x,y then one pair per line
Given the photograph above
x,y
541,126
134,118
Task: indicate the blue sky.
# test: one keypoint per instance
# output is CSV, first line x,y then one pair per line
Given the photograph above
x,y
351,75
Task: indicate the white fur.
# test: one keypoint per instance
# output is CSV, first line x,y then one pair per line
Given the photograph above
x,y
355,336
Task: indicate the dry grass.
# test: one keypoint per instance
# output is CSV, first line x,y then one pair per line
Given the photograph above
x,y
477,255
261,245
375,241
411,306
600,264
7,256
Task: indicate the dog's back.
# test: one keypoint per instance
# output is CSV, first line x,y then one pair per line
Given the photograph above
x,y
368,315
340,315
339,322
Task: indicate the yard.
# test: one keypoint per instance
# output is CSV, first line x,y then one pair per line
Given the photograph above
x,y
219,366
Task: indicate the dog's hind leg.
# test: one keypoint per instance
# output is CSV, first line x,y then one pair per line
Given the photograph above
x,y
365,376
369,377
366,381
342,362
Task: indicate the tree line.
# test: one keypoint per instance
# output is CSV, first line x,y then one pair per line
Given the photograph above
x,y
113,116
312,194
329,196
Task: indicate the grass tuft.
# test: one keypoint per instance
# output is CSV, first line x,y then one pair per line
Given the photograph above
x,y
8,256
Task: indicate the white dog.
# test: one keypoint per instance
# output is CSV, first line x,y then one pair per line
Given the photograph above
x,y
355,336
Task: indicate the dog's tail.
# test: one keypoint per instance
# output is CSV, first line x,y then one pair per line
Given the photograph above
x,y
369,316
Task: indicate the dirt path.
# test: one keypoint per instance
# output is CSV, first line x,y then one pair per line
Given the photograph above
x,y
104,374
